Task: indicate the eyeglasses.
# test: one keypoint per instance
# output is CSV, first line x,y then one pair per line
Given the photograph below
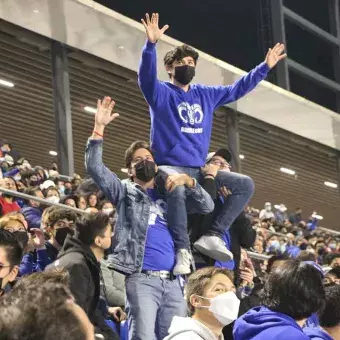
x,y
221,164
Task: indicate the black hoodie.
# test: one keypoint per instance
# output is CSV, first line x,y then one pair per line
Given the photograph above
x,y
84,270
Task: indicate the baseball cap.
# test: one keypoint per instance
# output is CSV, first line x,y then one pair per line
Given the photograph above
x,y
224,153
9,160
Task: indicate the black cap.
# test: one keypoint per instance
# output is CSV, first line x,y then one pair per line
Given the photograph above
x,y
224,153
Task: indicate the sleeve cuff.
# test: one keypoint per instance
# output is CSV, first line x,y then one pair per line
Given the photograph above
x,y
264,68
95,141
149,45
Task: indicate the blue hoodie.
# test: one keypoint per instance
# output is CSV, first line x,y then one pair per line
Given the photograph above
x,y
317,333
181,122
260,323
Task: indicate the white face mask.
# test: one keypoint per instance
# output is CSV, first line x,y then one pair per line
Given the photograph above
x,y
53,199
225,307
107,211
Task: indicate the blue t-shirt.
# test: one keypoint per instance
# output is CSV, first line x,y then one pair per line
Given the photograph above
x,y
159,246
229,264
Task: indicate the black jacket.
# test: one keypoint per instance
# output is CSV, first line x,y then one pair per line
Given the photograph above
x,y
241,232
84,283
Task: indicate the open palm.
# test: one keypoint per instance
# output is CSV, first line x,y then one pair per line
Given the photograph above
x,y
275,54
152,29
104,114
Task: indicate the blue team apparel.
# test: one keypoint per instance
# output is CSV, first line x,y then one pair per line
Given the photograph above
x,y
261,323
181,122
159,246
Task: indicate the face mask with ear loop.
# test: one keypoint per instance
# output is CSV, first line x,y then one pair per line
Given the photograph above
x,y
225,307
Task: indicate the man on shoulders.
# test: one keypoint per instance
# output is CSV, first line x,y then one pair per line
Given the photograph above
x,y
181,125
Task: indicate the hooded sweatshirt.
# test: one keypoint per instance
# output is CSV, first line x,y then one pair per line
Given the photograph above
x,y
190,329
84,283
317,333
181,122
260,323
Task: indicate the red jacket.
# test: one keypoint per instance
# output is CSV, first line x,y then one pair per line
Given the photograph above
x,y
6,207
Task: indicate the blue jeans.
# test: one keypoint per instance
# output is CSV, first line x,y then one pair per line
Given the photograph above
x,y
241,186
151,304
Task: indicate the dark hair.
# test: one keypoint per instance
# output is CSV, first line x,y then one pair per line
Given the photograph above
x,y
335,272
273,259
294,289
26,175
330,317
69,197
14,251
88,199
58,214
89,226
199,280
15,182
39,312
334,257
178,53
56,276
305,255
102,203
45,191
133,148
32,192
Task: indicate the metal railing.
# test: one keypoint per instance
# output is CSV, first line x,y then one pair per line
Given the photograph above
x,y
253,255
40,200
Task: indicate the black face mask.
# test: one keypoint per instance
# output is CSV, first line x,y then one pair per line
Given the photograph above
x,y
145,171
35,183
68,191
21,237
61,235
184,74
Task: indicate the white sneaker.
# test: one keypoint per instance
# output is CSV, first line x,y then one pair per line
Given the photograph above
x,y
183,261
214,247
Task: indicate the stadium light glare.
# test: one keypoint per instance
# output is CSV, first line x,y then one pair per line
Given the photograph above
x,y
90,109
53,153
288,171
331,185
6,83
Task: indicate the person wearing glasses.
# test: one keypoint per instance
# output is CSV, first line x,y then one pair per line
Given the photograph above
x,y
230,200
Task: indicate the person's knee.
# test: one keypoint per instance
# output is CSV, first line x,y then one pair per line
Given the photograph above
x,y
248,185
177,193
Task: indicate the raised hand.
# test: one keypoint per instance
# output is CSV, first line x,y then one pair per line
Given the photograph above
x,y
274,55
152,29
38,240
104,114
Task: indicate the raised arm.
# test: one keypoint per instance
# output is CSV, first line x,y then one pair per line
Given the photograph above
x,y
106,180
147,74
226,94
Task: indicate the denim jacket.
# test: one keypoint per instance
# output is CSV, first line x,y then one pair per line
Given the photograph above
x,y
133,206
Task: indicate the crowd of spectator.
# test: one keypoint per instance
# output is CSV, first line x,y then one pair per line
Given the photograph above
x,y
60,251
164,253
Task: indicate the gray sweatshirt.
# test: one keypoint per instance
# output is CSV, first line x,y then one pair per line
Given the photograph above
x,y
190,329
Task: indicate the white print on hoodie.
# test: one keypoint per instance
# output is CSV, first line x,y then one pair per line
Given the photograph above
x,y
189,329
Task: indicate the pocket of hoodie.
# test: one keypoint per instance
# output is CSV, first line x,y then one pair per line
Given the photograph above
x,y
192,152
